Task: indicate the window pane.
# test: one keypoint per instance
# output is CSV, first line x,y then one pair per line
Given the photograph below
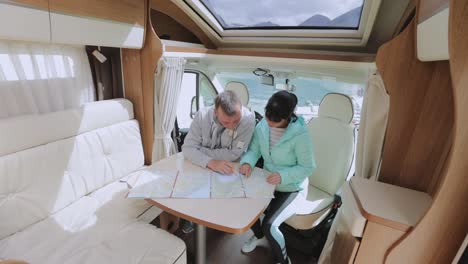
x,y
309,91
188,91
207,93
238,14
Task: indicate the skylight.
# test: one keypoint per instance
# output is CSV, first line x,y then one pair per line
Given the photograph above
x,y
292,14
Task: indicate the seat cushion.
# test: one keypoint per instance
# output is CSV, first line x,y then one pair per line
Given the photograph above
x,y
99,228
310,209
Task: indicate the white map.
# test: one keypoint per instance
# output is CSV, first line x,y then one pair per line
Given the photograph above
x,y
192,185
256,186
201,183
226,186
153,184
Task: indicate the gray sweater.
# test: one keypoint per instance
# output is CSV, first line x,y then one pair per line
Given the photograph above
x,y
207,139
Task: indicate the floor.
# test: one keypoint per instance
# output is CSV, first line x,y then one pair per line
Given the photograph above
x,y
226,249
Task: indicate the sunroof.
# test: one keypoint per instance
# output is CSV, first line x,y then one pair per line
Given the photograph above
x,y
289,14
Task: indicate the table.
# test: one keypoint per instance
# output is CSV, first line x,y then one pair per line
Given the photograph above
x,y
235,215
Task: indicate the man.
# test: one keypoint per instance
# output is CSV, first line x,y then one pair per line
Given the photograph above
x,y
220,134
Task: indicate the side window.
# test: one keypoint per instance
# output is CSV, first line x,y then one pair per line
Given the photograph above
x,y
187,93
207,93
197,92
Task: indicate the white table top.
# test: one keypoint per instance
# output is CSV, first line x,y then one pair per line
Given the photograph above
x,y
235,215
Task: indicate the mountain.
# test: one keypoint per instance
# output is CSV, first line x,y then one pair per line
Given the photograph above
x,y
348,19
316,21
266,24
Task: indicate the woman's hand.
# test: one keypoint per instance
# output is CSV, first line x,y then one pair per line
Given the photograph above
x,y
274,178
245,169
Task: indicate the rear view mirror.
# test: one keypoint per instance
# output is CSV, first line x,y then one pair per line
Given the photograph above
x,y
268,79
193,107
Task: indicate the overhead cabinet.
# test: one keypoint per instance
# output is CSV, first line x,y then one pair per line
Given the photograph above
x,y
105,23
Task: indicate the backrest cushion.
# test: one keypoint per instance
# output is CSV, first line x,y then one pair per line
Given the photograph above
x,y
43,179
333,141
336,106
240,90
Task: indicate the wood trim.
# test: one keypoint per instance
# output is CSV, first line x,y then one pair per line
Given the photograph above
x,y
375,242
172,10
345,247
205,223
274,54
139,67
421,115
40,4
377,219
405,17
428,8
437,238
126,11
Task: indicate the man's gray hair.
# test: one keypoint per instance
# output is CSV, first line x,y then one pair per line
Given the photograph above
x,y
228,101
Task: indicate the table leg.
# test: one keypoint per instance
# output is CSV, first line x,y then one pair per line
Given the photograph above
x,y
200,244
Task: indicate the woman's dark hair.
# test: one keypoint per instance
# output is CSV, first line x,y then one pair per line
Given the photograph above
x,y
280,106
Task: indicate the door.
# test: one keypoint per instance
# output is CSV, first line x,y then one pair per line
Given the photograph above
x,y
197,92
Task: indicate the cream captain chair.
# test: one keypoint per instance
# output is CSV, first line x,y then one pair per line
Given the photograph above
x,y
240,90
332,135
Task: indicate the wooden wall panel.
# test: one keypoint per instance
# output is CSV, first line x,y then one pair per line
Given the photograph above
x,y
172,10
428,8
440,233
139,67
165,25
41,4
275,54
421,115
127,11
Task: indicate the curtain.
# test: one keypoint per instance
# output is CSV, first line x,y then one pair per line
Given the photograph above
x,y
107,75
372,128
167,89
39,78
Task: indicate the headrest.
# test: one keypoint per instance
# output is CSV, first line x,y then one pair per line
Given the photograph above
x,y
337,106
24,132
240,90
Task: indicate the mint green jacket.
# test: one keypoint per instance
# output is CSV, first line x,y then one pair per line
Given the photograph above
x,y
292,157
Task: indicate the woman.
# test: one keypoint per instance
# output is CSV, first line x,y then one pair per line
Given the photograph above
x,y
283,141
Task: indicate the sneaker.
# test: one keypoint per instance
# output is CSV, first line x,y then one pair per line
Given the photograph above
x,y
250,244
187,227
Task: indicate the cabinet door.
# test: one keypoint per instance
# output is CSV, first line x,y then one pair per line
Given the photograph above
x,y
25,20
113,23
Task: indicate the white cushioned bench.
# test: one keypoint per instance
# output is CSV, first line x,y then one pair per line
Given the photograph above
x,y
63,184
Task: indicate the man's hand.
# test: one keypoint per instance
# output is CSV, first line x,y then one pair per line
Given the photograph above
x,y
274,178
245,169
221,166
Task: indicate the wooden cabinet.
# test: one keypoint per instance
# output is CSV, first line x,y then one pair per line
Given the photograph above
x,y
25,20
110,23
390,212
113,23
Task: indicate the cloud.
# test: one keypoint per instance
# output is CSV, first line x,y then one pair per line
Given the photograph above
x,y
284,13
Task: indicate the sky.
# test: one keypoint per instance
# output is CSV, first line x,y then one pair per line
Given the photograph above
x,y
281,12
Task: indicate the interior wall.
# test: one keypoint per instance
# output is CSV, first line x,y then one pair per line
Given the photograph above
x,y
421,116
439,235
168,28
107,75
172,10
139,69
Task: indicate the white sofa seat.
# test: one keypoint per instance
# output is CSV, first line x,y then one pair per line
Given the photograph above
x,y
90,231
62,191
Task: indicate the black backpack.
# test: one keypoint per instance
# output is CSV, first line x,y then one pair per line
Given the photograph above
x,y
311,242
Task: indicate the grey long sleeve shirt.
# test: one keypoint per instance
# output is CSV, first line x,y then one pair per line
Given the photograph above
x,y
207,139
